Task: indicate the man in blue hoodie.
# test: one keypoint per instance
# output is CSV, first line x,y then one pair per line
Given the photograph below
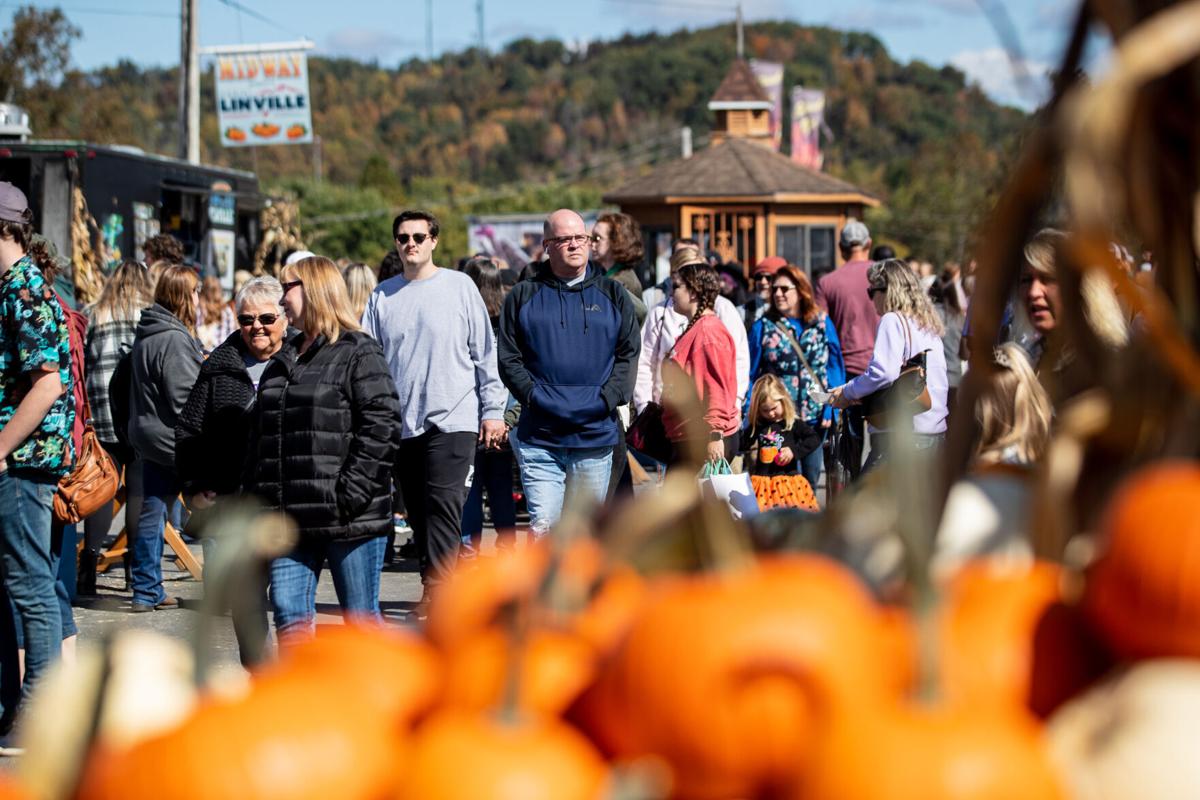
x,y
568,351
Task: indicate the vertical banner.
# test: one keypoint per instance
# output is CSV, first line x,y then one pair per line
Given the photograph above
x,y
770,76
808,114
262,98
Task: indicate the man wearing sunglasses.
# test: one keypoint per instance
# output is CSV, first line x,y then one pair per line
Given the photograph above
x,y
437,337
569,344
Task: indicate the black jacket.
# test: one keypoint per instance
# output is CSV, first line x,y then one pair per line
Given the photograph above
x,y
327,430
165,362
212,435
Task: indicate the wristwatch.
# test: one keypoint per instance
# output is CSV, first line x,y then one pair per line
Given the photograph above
x,y
715,436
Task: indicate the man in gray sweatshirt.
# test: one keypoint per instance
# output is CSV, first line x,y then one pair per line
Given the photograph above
x,y
441,351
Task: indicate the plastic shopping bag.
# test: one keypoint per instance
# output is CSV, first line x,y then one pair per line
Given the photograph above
x,y
718,480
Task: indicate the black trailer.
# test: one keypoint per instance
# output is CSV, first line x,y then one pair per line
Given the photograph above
x,y
134,195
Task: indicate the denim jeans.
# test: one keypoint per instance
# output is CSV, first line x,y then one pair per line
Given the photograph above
x,y
27,565
355,564
161,489
812,464
548,473
493,472
62,560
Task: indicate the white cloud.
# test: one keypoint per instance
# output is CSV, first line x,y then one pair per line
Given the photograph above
x,y
992,70
367,44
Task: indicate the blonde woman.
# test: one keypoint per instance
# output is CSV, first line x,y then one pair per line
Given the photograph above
x,y
360,282
216,320
987,513
327,432
908,325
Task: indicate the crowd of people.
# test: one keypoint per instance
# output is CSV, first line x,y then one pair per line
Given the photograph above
x,y
341,395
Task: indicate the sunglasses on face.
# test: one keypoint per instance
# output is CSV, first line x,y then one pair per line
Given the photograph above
x,y
782,289
419,238
266,320
287,287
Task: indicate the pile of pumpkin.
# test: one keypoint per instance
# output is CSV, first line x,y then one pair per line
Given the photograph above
x,y
556,673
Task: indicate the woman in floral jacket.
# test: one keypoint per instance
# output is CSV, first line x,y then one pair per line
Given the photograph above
x,y
795,319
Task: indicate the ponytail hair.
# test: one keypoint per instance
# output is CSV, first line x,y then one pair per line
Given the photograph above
x,y
701,280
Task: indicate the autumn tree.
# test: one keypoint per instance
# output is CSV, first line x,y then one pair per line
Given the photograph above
x,y
35,51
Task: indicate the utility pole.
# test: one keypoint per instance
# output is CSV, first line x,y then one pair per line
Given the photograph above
x,y
741,34
429,30
479,21
189,82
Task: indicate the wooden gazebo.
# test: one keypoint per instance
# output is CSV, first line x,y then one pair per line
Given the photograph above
x,y
741,198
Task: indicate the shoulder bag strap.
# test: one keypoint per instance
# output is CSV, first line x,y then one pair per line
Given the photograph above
x,y
786,330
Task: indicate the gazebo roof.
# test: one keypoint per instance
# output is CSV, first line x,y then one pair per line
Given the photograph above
x,y
737,170
740,89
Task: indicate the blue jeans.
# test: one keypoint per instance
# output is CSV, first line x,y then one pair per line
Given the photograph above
x,y
62,560
27,565
355,565
493,472
548,473
161,489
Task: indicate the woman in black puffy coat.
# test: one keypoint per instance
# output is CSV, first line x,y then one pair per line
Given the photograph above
x,y
327,432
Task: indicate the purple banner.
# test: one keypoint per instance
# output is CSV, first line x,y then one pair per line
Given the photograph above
x,y
808,114
770,76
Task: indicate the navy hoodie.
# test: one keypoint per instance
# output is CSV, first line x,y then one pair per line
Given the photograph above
x,y
569,354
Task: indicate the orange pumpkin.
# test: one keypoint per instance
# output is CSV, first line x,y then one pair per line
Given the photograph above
x,y
394,672
554,668
467,756
1141,593
1008,638
265,130
898,751
290,738
705,678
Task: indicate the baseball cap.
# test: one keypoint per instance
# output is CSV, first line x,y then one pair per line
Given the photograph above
x,y
13,205
854,233
770,265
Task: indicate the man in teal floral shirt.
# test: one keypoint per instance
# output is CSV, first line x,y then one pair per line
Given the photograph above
x,y
36,415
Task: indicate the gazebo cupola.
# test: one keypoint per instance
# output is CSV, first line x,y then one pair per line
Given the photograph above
x,y
742,107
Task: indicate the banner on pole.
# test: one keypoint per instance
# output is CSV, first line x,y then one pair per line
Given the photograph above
x,y
263,98
808,114
770,76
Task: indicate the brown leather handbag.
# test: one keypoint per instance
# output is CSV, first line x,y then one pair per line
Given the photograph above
x,y
92,482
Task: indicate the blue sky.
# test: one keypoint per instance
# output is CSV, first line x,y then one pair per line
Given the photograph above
x,y
937,31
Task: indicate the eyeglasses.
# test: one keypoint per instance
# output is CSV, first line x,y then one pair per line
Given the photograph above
x,y
266,320
419,238
578,240
782,289
874,290
287,287
763,278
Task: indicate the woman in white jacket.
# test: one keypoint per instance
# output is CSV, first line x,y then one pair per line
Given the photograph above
x,y
908,325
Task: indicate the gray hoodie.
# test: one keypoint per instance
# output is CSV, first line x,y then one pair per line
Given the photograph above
x,y
166,362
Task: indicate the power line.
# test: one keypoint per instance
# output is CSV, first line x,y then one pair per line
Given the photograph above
x,y
115,12
680,4
250,12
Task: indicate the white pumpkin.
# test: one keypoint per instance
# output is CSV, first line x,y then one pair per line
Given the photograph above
x,y
1133,735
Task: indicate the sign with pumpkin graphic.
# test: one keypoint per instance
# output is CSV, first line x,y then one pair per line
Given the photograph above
x,y
263,98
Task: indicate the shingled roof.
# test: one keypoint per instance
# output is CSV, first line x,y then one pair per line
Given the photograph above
x,y
737,168
740,86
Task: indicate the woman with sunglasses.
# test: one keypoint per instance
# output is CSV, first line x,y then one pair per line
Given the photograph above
x,y
220,408
908,325
327,428
795,320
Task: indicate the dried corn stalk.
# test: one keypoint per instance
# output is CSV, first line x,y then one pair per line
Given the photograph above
x,y
280,223
89,280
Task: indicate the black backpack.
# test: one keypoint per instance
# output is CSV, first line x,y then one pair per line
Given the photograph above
x,y
120,389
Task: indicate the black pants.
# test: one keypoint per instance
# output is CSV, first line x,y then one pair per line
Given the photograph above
x,y
433,471
857,431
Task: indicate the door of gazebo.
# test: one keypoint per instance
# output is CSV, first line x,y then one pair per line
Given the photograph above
x,y
735,233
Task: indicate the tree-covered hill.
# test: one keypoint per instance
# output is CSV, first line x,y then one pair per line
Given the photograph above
x,y
473,132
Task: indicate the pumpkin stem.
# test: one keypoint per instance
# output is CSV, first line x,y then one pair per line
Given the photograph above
x,y
244,538
911,474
